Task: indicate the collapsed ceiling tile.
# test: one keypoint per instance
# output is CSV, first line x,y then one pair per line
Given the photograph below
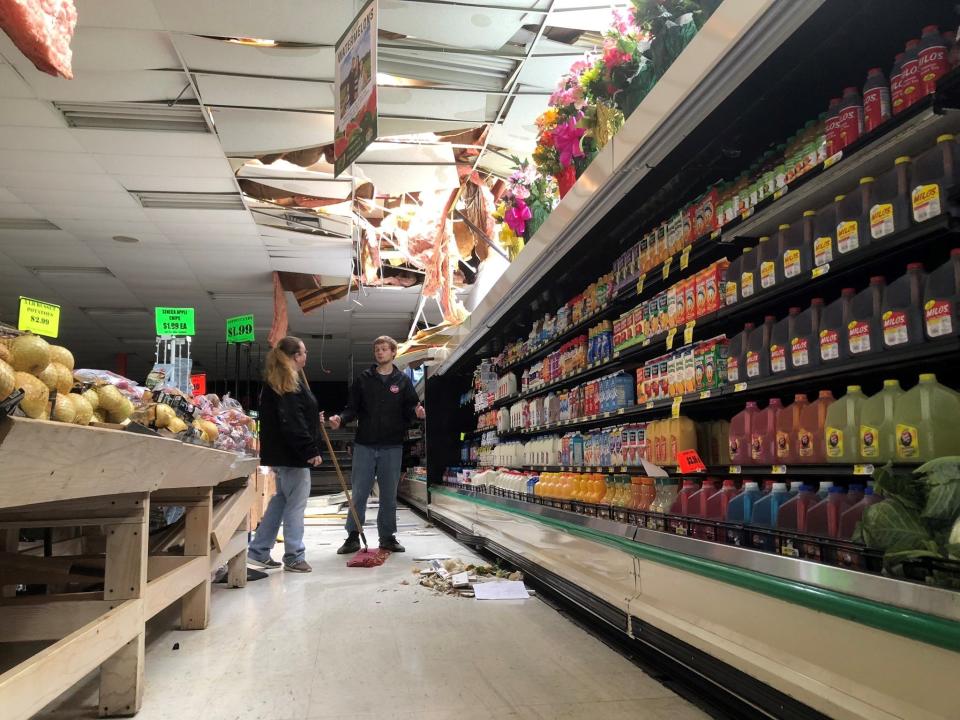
x,y
244,131
249,92
212,55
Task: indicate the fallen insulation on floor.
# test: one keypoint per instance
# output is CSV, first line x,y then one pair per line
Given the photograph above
x,y
454,577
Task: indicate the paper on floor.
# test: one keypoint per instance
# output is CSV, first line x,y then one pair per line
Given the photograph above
x,y
436,556
501,590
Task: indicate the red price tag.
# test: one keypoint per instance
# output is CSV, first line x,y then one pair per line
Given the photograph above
x,y
689,461
199,383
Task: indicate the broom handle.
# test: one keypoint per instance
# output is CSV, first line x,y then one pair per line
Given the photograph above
x,y
343,483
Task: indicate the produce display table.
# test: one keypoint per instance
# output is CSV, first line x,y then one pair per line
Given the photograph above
x,y
54,475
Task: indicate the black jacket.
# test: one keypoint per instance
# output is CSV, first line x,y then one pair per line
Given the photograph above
x,y
289,428
385,409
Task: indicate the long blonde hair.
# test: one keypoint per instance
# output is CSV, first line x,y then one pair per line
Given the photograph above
x,y
280,372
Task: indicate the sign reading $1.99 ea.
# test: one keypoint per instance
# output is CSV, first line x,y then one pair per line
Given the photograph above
x,y
175,321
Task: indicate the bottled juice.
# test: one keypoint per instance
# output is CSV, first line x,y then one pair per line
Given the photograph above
x,y
636,493
825,233
823,519
780,341
878,434
932,59
876,100
865,324
833,127
941,299
737,355
697,504
897,102
766,509
851,117
648,492
796,247
771,273
928,421
741,427
758,349
854,495
718,502
810,434
740,506
683,436
824,489
804,350
890,206
749,267
681,505
666,494
911,74
731,281
792,515
851,516
833,327
609,491
933,172
788,422
719,442
853,227
842,428
763,434
902,308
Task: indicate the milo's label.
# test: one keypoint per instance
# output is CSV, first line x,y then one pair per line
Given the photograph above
x,y
783,445
829,344
895,330
938,316
834,438
908,442
869,446
805,443
791,263
881,220
858,332
848,236
799,351
926,202
822,251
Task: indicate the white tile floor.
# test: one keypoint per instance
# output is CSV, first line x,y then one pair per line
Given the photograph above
x,y
357,643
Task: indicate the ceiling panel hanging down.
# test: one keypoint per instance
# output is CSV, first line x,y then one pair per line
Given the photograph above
x,y
212,55
256,132
455,105
480,28
251,92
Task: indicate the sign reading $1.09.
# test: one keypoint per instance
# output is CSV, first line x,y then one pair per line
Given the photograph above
x,y
240,329
175,321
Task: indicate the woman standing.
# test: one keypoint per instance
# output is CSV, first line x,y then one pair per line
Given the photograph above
x,y
289,429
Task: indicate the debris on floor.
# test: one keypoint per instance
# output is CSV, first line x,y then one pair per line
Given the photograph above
x,y
454,577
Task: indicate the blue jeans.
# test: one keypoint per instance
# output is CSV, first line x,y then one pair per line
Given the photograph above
x,y
288,505
383,465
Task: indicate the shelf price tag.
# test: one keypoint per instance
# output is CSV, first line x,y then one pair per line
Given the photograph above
x,y
240,329
833,159
462,436
620,411
863,469
646,342
685,258
746,214
675,408
704,394
734,470
715,235
175,321
740,387
778,469
666,267
670,336
643,276
781,192
649,405
689,462
822,270
688,332
39,317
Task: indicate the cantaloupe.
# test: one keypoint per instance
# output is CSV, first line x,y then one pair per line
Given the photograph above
x,y
8,380
30,353
36,395
60,354
63,409
82,407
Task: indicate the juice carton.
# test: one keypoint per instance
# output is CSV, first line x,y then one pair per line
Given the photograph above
x,y
842,427
928,421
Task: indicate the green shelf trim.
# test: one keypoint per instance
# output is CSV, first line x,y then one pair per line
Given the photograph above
x,y
929,629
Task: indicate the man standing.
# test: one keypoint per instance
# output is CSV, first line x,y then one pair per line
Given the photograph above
x,y
386,404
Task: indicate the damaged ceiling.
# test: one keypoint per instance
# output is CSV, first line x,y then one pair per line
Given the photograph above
x,y
182,168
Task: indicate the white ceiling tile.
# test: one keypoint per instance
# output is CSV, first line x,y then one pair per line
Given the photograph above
x,y
442,104
38,138
543,72
8,197
25,179
12,84
144,143
30,113
211,55
164,217
480,28
264,92
99,48
52,162
107,228
18,210
109,13
306,21
174,230
164,166
100,86
389,127
263,131
80,196
57,212
176,184
41,248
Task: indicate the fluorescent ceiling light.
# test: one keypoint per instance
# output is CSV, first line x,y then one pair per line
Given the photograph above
x,y
26,224
188,201
161,116
68,270
115,310
239,296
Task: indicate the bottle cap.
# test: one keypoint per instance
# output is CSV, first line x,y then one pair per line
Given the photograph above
x,y
853,388
927,377
946,137
930,29
838,198
955,252
835,489
751,403
850,90
848,291
794,311
784,226
865,180
779,487
915,266
824,394
809,213
874,71
751,485
911,44
800,397
764,238
902,160
856,488
819,300
868,490
891,383
878,280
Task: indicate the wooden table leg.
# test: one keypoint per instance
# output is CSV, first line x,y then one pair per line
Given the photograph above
x,y
237,565
10,543
195,606
125,578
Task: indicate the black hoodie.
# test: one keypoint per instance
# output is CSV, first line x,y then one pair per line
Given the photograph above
x,y
385,408
289,427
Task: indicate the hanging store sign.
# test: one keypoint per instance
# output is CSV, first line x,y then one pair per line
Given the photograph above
x,y
38,317
355,88
175,321
240,329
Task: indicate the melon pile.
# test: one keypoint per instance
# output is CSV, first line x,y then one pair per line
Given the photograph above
x,y
30,363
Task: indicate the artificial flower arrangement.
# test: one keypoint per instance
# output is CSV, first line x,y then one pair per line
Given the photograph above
x,y
529,199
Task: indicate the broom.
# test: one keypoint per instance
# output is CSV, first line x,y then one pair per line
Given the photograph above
x,y
366,557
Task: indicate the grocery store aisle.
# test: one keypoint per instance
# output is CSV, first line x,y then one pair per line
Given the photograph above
x,y
371,643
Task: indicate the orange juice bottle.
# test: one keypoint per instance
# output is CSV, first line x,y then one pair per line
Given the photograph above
x,y
609,492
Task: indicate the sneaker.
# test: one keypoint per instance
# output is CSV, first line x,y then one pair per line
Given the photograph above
x,y
301,567
391,544
350,545
268,564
